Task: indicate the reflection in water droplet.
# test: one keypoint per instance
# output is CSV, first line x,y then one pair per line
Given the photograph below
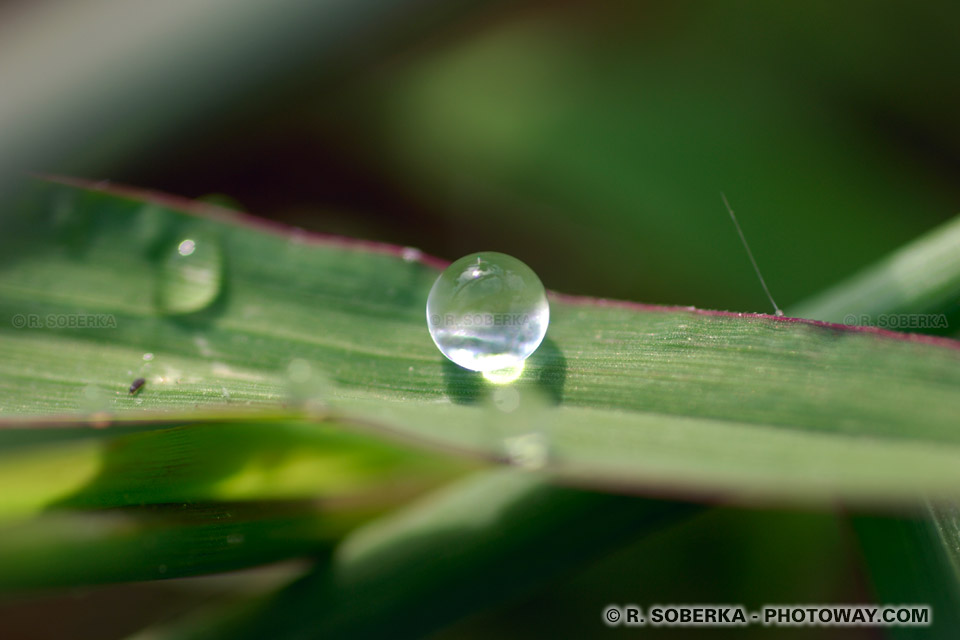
x,y
190,275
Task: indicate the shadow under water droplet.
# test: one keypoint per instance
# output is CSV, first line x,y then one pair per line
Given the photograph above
x,y
549,367
546,370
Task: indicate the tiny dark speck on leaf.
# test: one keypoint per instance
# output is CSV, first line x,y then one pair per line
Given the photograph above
x,y
137,385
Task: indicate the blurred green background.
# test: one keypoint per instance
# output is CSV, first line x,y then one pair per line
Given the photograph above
x,y
590,139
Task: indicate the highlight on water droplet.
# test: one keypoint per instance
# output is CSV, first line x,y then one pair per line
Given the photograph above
x,y
488,312
191,274
505,376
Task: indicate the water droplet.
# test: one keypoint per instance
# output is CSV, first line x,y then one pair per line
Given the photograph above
x,y
187,247
203,346
506,399
298,370
487,312
519,420
93,399
529,450
190,275
307,387
411,254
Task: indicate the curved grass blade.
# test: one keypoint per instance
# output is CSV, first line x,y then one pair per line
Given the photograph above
x,y
216,461
909,559
405,574
72,548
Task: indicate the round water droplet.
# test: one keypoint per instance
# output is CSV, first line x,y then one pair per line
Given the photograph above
x,y
306,386
191,274
488,311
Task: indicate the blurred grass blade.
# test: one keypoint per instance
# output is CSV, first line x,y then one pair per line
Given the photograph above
x,y
913,560
70,548
909,559
636,397
227,461
922,277
483,540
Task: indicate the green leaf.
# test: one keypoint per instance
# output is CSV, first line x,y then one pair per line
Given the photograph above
x,y
70,548
484,539
914,558
214,461
620,395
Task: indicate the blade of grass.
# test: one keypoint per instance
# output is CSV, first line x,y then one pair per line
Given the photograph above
x,y
635,396
909,559
483,540
224,460
73,548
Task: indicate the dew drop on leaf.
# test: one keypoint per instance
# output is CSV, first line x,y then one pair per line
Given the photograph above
x,y
191,274
487,312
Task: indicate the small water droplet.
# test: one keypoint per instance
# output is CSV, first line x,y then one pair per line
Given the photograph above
x,y
307,386
299,370
506,399
203,346
191,275
529,451
225,393
187,247
519,419
93,399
